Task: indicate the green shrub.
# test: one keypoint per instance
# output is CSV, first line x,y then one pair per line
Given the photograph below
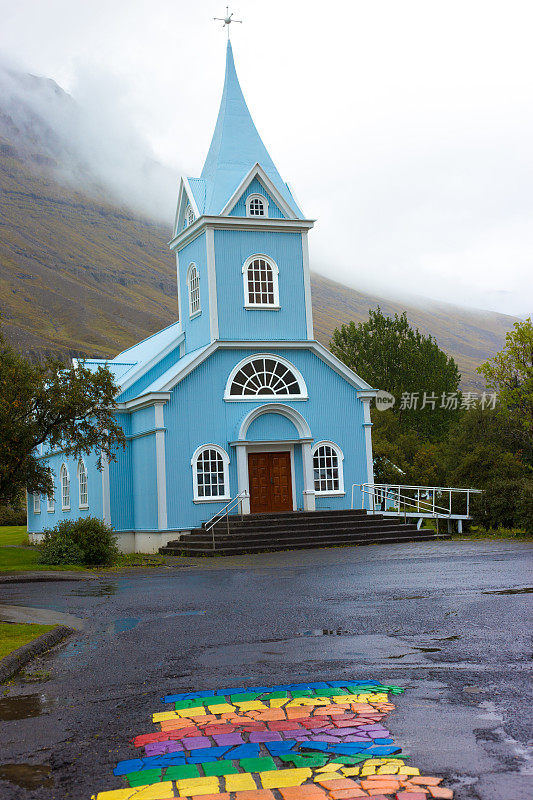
x,y
505,504
87,541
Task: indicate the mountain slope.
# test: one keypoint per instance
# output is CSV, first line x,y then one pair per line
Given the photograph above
x,y
81,274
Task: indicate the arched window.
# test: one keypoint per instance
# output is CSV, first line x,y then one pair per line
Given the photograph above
x,y
256,206
36,503
64,481
188,217
327,468
193,285
82,481
260,276
210,467
51,500
265,376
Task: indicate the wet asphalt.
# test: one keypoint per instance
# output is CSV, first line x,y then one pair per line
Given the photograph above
x,y
447,620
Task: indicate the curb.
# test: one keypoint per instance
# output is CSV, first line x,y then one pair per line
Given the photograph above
x,y
23,655
45,577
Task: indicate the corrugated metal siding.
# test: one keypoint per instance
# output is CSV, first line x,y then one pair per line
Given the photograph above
x,y
122,496
46,519
232,248
142,420
198,415
144,482
197,330
256,187
271,426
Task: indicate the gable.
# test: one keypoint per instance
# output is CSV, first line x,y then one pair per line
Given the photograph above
x,y
256,187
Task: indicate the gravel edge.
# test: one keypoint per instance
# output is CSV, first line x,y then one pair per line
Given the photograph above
x,y
14,661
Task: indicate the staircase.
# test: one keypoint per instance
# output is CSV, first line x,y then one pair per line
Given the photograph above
x,y
295,530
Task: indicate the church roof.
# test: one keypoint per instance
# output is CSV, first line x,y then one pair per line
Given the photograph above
x,y
235,148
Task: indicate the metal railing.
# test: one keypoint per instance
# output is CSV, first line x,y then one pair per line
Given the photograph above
x,y
396,499
224,513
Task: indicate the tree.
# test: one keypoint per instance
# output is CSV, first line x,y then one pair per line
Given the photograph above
x,y
510,373
391,355
70,408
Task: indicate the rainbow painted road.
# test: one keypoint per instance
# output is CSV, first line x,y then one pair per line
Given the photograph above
x,y
301,741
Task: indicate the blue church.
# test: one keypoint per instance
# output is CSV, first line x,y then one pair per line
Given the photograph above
x,y
237,399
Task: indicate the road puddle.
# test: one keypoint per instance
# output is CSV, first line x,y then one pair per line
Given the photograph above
x,y
27,776
22,706
327,632
526,590
100,590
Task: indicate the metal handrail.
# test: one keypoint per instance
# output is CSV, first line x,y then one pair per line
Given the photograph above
x,y
224,512
422,505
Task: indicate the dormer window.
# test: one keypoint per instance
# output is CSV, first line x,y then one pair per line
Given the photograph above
x,y
256,206
188,218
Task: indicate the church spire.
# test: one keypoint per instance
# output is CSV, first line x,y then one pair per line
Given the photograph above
x,y
235,148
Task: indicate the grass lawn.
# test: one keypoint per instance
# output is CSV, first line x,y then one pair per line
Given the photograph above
x,y
14,635
16,555
13,535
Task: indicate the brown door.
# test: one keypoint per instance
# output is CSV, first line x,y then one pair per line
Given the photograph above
x,y
270,482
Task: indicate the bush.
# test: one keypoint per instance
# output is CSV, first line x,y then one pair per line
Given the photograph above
x,y
506,504
14,513
87,541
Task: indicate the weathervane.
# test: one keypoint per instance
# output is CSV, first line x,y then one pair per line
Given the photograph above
x,y
227,20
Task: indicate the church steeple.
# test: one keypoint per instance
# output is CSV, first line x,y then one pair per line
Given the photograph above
x,y
235,148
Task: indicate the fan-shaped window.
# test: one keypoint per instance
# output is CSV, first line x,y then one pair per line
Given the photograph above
x,y
256,206
193,285
65,488
210,473
36,503
327,468
82,480
265,376
260,275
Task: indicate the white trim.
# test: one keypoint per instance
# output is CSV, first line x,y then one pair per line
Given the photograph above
x,y
340,467
143,401
63,470
184,188
80,504
270,398
146,366
36,503
275,283
161,477
258,172
246,344
212,283
178,281
51,498
308,474
187,235
367,424
194,465
106,491
307,287
299,422
192,268
264,200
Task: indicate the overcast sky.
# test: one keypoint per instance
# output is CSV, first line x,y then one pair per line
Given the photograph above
x,y
404,126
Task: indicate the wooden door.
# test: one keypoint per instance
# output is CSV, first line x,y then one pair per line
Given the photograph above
x,y
270,482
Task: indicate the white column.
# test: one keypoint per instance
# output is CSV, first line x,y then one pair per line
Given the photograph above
x,y
106,493
309,481
161,475
367,424
242,477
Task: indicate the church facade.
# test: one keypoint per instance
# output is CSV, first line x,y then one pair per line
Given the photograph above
x,y
237,398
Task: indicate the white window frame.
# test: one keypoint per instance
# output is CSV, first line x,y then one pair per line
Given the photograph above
x,y
193,312
36,503
194,464
268,398
188,216
64,472
274,306
81,463
263,199
51,498
340,460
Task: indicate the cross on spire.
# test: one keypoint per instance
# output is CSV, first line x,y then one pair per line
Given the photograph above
x,y
227,20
